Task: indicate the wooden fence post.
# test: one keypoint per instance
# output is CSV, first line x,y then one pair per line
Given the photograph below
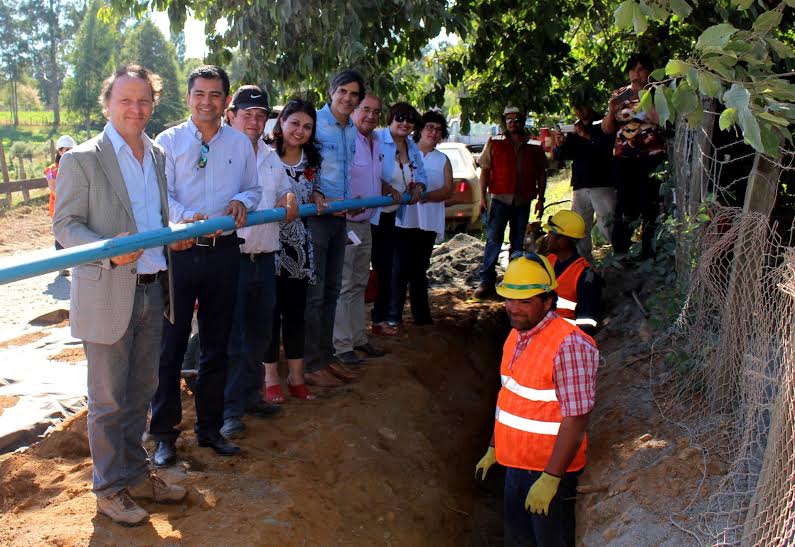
x,y
22,176
4,169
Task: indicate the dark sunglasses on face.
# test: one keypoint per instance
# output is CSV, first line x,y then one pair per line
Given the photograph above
x,y
513,120
203,157
400,118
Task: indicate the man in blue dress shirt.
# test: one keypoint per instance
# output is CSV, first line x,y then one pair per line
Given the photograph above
x,y
211,171
337,137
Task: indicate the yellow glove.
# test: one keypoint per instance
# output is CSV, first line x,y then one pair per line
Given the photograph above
x,y
485,463
541,494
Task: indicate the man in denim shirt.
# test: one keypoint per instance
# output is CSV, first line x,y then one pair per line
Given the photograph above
x,y
337,137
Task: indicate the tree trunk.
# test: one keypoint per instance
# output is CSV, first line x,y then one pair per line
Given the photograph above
x,y
14,103
4,172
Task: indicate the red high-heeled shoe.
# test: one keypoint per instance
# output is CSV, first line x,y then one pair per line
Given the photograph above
x,y
300,391
273,394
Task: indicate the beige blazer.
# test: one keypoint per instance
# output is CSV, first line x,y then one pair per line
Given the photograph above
x,y
93,205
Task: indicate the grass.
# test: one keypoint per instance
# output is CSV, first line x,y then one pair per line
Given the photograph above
x,y
29,117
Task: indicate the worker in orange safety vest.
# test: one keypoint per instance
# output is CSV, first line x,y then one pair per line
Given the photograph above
x,y
579,288
548,373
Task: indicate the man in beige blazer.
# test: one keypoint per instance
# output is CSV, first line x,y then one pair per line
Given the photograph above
x,y
113,185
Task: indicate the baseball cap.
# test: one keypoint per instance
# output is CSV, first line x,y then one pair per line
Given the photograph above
x,y
250,96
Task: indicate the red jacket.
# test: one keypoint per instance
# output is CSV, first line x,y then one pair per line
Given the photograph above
x,y
502,179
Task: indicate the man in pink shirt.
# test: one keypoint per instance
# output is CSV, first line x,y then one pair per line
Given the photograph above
x,y
365,181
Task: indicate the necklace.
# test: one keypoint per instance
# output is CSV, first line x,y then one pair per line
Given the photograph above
x,y
402,172
291,168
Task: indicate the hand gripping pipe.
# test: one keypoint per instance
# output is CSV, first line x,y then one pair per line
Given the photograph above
x,y
90,252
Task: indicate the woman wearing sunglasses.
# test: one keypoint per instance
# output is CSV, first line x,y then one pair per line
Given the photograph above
x,y
294,141
422,224
404,171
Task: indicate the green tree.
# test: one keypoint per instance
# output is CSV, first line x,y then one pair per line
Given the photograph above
x,y
299,43
92,61
14,50
145,44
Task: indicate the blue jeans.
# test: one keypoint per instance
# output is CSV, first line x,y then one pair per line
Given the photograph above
x,y
252,328
122,378
328,238
522,528
500,216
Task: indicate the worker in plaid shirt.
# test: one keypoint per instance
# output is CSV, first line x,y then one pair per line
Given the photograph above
x,y
548,374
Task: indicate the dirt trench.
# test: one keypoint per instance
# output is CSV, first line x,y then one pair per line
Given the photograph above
x,y
388,460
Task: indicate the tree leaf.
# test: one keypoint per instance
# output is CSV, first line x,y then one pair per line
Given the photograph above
x,y
742,4
715,36
737,97
676,68
694,118
657,74
718,65
726,119
767,21
646,101
661,105
685,99
781,49
623,14
770,139
750,128
708,84
776,120
681,8
692,77
639,20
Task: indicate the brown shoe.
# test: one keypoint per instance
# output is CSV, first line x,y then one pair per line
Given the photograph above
x,y
342,372
322,378
154,488
485,291
121,509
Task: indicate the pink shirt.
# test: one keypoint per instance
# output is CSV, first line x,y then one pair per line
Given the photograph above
x,y
366,170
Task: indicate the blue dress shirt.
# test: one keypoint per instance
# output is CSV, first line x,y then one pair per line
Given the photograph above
x,y
230,173
337,147
389,151
144,193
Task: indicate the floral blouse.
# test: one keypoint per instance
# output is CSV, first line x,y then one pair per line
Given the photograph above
x,y
636,137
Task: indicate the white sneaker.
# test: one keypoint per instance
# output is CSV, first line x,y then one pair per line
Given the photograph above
x,y
121,509
155,488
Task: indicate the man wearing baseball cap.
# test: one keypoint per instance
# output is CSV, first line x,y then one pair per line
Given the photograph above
x,y
548,373
255,304
513,171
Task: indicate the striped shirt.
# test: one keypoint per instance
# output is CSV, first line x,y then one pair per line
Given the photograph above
x,y
575,368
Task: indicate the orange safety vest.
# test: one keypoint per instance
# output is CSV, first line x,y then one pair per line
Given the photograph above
x,y
528,411
567,285
503,168
52,171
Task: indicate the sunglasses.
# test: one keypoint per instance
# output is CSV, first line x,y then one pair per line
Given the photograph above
x,y
553,227
513,120
408,118
203,158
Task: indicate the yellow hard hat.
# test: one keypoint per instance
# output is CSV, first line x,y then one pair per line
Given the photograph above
x,y
566,223
527,275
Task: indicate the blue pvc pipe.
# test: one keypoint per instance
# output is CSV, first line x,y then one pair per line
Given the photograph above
x,y
91,252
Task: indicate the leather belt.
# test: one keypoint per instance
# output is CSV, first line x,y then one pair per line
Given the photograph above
x,y
146,279
220,241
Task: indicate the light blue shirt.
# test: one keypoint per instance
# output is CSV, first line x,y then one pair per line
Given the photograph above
x,y
389,151
144,193
337,147
230,173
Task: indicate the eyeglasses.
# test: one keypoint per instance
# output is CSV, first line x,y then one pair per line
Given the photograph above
x,y
513,120
433,128
203,158
408,118
368,111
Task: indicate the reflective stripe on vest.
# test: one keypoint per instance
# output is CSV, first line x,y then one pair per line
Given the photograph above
x,y
567,285
528,414
526,424
527,392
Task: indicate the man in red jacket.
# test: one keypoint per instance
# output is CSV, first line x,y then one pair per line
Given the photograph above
x,y
513,171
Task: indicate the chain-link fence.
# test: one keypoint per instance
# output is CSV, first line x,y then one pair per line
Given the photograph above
x,y
731,384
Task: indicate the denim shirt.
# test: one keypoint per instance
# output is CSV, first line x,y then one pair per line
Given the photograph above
x,y
337,147
388,150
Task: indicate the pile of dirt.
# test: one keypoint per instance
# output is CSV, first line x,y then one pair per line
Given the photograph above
x,y
455,263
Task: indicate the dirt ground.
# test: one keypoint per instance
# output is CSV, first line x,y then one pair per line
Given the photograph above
x,y
25,228
388,460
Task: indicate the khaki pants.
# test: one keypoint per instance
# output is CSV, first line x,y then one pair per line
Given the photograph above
x,y
587,202
349,321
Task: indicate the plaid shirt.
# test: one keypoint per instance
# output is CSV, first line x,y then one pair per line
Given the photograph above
x,y
575,368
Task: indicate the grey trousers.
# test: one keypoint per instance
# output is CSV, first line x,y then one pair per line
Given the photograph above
x,y
349,321
122,379
587,202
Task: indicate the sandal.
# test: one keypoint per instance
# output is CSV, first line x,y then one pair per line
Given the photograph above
x,y
273,394
300,391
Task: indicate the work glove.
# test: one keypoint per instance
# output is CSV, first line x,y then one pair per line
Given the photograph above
x,y
541,494
485,463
